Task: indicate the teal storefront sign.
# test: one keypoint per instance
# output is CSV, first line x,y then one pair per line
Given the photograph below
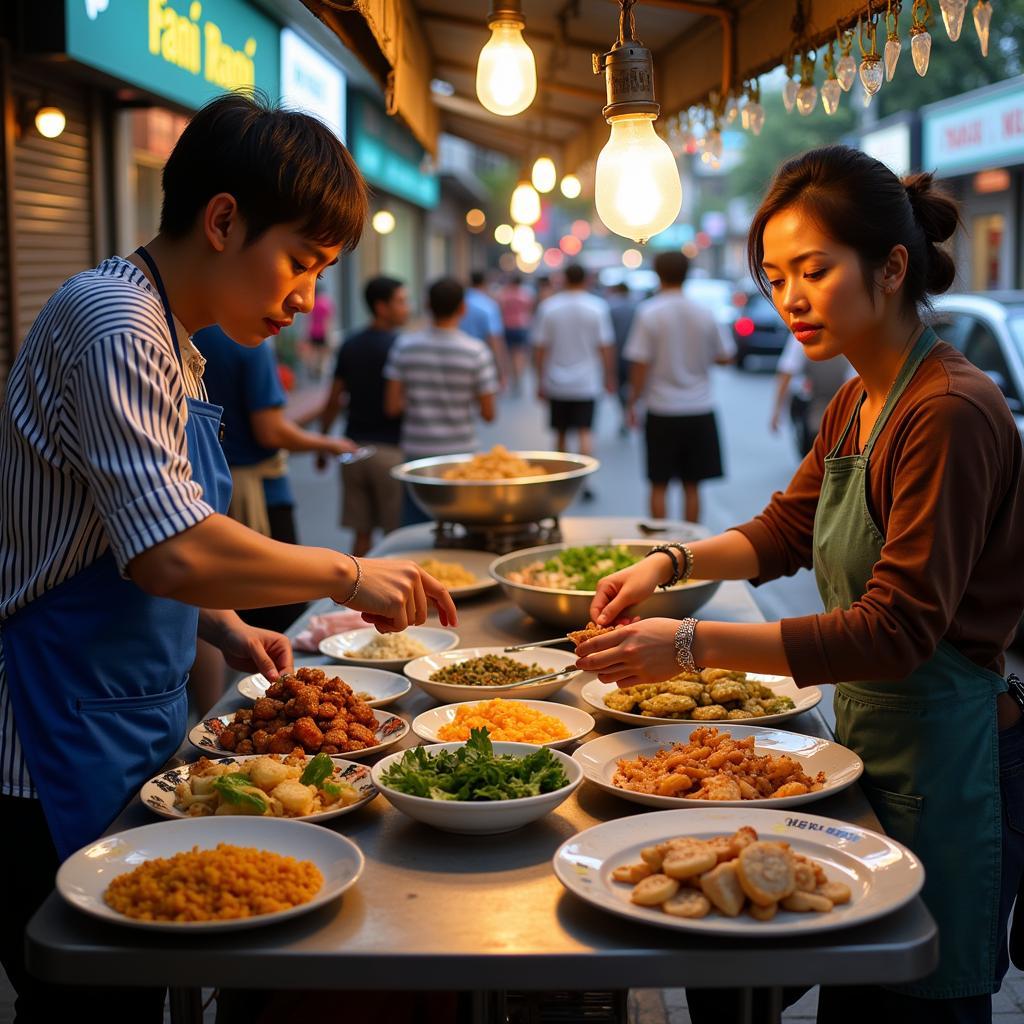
x,y
389,157
185,50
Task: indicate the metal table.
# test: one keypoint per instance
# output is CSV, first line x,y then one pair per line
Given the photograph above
x,y
439,911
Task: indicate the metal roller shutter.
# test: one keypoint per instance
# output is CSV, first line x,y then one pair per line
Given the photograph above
x,y
54,224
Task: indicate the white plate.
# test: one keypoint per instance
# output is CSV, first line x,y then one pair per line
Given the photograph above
x,y
805,698
599,760
882,874
384,687
390,729
85,875
579,723
476,562
341,645
478,817
421,669
158,793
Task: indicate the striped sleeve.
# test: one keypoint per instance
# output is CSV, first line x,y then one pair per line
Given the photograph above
x,y
487,374
124,403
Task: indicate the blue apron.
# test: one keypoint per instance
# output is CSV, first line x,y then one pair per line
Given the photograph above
x,y
97,668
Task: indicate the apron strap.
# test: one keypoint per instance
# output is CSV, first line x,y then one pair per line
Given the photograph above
x,y
921,348
159,281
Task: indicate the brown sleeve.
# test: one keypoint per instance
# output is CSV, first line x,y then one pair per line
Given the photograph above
x,y
947,477
782,534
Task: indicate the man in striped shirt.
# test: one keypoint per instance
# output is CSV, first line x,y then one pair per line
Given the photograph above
x,y
440,380
114,550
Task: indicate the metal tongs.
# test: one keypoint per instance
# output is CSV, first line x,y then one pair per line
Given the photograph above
x,y
535,680
538,643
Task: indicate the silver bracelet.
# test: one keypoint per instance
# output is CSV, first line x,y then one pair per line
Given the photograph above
x,y
359,579
687,552
684,646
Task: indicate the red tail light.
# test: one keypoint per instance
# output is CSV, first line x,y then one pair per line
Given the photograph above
x,y
744,326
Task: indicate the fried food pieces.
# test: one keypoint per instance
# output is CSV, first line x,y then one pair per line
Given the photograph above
x,y
712,694
589,631
304,711
690,877
714,766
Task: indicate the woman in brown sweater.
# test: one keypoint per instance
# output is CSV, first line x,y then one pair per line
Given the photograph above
x,y
910,509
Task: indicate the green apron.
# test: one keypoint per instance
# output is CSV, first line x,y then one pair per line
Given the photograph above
x,y
929,742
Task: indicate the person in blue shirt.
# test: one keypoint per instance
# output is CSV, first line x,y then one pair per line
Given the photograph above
x,y
482,320
257,438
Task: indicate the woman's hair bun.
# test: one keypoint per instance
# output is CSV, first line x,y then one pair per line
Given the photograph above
x,y
938,215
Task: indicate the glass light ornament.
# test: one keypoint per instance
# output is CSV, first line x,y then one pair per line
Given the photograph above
x,y
921,51
806,97
544,176
50,122
637,190
713,143
522,237
831,91
893,47
755,116
506,72
953,16
525,204
846,72
982,20
789,91
571,186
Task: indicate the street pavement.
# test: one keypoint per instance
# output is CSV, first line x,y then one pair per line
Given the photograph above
x,y
757,463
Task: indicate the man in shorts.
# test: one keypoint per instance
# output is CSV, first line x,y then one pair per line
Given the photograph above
x,y
574,355
370,497
672,346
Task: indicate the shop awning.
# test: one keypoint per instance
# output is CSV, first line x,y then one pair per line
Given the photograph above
x,y
697,47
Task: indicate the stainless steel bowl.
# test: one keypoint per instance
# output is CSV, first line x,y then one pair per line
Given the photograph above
x,y
495,502
570,609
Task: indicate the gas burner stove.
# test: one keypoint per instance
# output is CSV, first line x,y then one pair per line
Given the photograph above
x,y
499,538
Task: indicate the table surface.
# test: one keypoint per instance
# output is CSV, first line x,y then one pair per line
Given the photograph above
x,y
434,910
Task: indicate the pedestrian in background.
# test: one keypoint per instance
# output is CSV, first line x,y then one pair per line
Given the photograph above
x,y
482,320
623,308
574,355
809,386
320,317
370,497
438,381
672,346
516,302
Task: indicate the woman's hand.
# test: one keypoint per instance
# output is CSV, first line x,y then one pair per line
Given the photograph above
x,y
250,649
395,594
641,652
617,593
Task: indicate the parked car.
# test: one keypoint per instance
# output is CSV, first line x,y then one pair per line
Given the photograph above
x,y
988,327
758,330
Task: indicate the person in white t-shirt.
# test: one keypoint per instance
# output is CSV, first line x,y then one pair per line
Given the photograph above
x,y
672,346
574,355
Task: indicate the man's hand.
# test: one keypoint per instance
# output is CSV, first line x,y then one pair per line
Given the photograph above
x,y
396,594
250,649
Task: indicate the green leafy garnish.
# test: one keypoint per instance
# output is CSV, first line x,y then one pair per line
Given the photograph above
x,y
475,772
319,769
587,565
232,789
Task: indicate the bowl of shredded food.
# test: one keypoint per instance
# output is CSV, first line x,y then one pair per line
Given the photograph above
x,y
539,723
477,787
210,873
496,487
556,583
387,650
472,673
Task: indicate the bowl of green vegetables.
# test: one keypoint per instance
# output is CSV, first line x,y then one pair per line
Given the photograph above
x,y
477,787
555,583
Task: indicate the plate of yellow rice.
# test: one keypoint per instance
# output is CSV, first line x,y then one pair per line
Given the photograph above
x,y
538,722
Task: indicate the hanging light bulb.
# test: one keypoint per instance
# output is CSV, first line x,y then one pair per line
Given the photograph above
x,y
982,20
383,222
920,37
571,186
893,46
525,204
846,69
50,122
522,236
807,94
871,72
506,73
544,176
753,112
503,234
831,90
636,190
953,16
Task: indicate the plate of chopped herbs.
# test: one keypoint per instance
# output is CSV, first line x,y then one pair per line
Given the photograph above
x,y
477,787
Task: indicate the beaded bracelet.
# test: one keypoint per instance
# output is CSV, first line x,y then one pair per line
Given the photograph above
x,y
667,550
687,552
684,645
359,579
